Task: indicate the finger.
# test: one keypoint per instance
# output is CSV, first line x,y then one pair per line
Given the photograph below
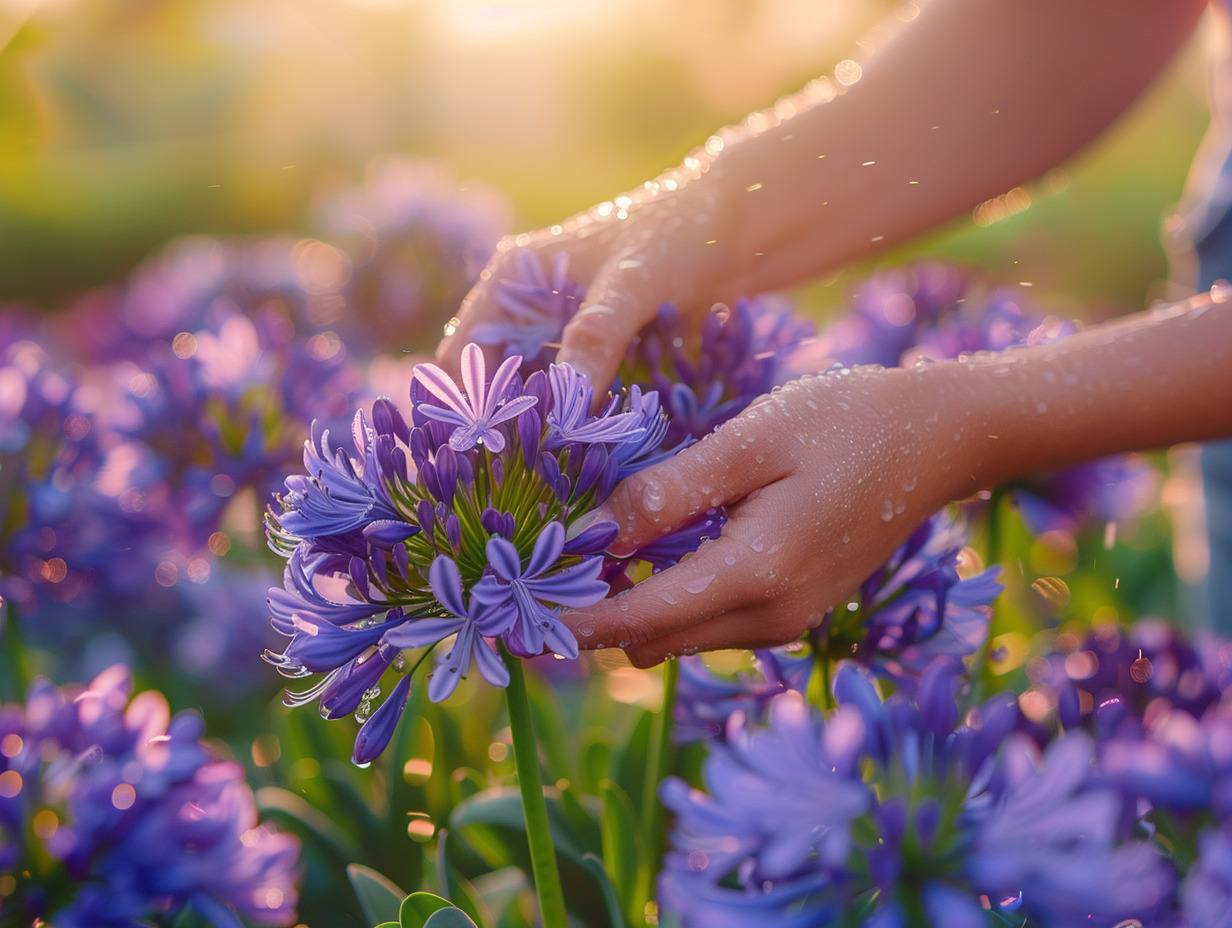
x,y
480,305
747,628
726,466
624,295
720,577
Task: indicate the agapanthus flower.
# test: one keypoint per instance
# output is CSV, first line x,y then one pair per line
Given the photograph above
x,y
1108,680
415,240
113,812
922,818
916,606
468,521
705,700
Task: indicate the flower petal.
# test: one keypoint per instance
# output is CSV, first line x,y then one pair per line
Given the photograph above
x,y
441,385
446,582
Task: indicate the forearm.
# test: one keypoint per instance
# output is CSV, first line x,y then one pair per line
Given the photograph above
x,y
1143,382
969,100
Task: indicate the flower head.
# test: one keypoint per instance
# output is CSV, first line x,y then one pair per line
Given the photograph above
x,y
466,523
132,817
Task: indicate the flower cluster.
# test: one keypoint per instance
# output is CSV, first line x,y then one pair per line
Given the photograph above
x,y
113,812
894,812
469,521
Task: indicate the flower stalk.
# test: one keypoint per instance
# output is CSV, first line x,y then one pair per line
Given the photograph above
x,y
534,806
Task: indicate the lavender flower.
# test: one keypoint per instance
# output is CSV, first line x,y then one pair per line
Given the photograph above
x,y
705,701
471,522
112,812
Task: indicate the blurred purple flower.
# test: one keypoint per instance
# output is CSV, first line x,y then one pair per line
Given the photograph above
x,y
112,812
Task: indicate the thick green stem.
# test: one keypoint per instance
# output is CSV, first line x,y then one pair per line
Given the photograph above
x,y
658,764
534,806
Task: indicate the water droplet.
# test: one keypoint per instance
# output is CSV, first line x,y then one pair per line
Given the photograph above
x,y
450,327
758,544
887,511
363,711
668,598
1041,407
700,584
585,628
730,560
653,496
846,539
623,644
910,483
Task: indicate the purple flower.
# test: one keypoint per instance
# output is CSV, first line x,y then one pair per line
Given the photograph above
x,y
916,606
570,420
478,413
538,307
133,819
1052,836
527,591
470,623
705,701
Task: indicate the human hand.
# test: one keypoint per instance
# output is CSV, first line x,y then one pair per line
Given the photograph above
x,y
664,242
822,480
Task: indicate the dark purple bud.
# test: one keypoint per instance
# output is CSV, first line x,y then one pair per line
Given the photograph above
x,y
446,462
442,512
608,479
419,447
402,560
530,431
1069,706
453,532
927,817
592,468
387,420
466,470
537,386
592,539
399,470
428,477
343,695
562,488
549,468
495,523
375,733
385,533
359,575
497,468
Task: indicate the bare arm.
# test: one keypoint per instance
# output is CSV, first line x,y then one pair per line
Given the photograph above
x,y
970,99
808,473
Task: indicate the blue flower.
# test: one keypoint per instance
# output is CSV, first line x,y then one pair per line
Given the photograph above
x,y
527,590
538,306
569,419
471,624
1052,835
705,701
135,819
477,413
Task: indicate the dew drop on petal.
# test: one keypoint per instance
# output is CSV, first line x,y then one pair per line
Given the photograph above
x,y
887,511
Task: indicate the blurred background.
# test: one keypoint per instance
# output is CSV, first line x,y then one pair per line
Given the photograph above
x,y
125,124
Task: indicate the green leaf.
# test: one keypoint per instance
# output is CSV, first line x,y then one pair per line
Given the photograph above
x,y
621,852
594,866
380,899
631,766
502,808
417,908
449,918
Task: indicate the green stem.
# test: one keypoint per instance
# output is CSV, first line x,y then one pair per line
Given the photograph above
x,y
17,675
819,690
534,806
658,763
981,673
